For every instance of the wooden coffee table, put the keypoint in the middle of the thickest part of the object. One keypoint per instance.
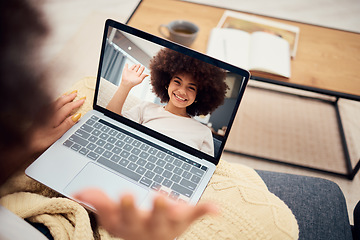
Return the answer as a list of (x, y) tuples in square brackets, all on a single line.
[(327, 60)]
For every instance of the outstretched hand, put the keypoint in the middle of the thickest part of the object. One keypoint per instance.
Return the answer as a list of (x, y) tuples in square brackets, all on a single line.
[(133, 76), (57, 124), (165, 221)]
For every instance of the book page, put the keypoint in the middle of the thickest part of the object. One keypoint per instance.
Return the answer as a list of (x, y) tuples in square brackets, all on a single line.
[(230, 45), (269, 53), (250, 24)]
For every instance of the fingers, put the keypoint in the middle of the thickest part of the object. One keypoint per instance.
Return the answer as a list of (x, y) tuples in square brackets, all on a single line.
[(129, 212), (64, 99), (107, 210), (68, 106), (137, 68), (96, 198), (201, 210)]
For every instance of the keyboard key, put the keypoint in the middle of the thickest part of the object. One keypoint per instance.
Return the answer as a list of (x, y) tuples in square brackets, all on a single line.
[(119, 169), (158, 170), (144, 147), (133, 158), (128, 147), (87, 128), (68, 143), (180, 189), (167, 174), (195, 179), (91, 146), (174, 195), (156, 186), (132, 166), (169, 167), (141, 162), (84, 151), (93, 155), (175, 178), (124, 154), (113, 132), (178, 171), (82, 134), (135, 151), (153, 159), (204, 168), (160, 163), (145, 181), (128, 139), (78, 140), (152, 151), (144, 155), (111, 140), (93, 117), (158, 178), (76, 147), (100, 142), (116, 150), (107, 154), (197, 171), (136, 143), (92, 139), (186, 167), (149, 174), (90, 122), (120, 136), (104, 136), (169, 158), (96, 132), (115, 158), (167, 183), (188, 184), (150, 166), (108, 146), (140, 170), (161, 155), (186, 175), (98, 125), (124, 162), (119, 143), (105, 129), (99, 150), (178, 162)]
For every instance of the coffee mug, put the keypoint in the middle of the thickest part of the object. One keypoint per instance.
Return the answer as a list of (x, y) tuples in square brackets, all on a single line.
[(180, 31)]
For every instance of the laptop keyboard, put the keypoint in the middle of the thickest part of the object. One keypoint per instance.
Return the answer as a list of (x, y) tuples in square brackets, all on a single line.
[(136, 158)]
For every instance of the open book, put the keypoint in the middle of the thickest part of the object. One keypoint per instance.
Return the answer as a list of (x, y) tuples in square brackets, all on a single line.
[(258, 51), (250, 23)]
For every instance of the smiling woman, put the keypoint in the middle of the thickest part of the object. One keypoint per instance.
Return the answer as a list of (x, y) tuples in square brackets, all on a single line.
[(188, 87)]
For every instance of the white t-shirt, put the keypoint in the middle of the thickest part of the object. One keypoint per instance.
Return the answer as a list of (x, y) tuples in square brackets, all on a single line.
[(185, 130)]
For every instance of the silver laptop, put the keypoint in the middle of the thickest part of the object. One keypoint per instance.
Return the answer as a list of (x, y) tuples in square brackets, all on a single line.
[(113, 153)]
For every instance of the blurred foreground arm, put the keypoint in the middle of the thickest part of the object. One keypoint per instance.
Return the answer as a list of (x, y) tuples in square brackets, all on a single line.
[(166, 220)]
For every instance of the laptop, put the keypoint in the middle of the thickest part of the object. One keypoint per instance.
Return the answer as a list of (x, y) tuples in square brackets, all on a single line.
[(118, 155)]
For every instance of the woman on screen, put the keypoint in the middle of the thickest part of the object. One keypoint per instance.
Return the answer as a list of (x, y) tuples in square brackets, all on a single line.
[(188, 86)]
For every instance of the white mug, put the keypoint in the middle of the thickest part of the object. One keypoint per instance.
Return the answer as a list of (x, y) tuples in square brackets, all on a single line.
[(180, 31)]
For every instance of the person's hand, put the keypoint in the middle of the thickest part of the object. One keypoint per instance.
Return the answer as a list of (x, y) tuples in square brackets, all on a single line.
[(56, 124), (133, 76), (165, 221)]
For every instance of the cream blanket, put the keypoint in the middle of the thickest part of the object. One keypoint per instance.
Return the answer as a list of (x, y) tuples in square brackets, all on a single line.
[(248, 209)]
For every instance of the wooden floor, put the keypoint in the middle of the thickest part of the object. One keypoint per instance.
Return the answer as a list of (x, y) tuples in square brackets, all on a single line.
[(67, 17)]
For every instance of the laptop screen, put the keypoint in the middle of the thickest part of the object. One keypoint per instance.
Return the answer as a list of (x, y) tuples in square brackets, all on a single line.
[(170, 91)]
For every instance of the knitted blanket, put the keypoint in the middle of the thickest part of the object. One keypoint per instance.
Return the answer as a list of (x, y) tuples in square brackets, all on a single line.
[(247, 209)]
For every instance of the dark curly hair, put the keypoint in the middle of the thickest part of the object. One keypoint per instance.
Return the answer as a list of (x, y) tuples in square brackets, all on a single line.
[(22, 83), (209, 79)]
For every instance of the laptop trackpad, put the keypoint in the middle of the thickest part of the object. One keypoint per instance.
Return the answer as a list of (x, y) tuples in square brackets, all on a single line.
[(94, 176)]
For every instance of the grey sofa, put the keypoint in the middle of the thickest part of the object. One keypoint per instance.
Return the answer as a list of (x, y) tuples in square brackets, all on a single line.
[(318, 205)]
